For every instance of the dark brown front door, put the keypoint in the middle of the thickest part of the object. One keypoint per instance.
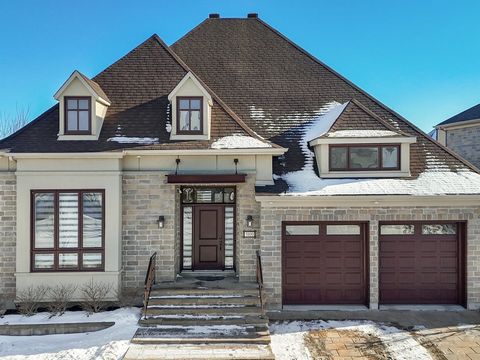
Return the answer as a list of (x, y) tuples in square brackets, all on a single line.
[(421, 263), (324, 263), (208, 239)]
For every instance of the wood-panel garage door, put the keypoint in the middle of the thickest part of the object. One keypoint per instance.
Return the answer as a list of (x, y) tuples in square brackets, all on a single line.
[(421, 263), (324, 263)]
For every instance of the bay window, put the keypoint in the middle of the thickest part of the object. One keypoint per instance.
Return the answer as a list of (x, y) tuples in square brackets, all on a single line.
[(68, 230), (364, 157)]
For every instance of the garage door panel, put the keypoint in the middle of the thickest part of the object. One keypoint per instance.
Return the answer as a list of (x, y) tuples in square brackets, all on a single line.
[(330, 269), (419, 268)]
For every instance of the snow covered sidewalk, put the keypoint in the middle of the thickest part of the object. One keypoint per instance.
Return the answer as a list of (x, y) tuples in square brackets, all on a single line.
[(109, 344), (292, 340)]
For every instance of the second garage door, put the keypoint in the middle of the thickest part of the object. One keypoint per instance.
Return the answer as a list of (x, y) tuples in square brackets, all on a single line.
[(421, 263), (324, 263)]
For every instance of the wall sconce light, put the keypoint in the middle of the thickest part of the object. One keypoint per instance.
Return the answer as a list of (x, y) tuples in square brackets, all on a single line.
[(161, 222), (249, 220)]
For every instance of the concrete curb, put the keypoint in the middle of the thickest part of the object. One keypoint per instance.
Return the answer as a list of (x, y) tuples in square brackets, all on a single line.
[(51, 329)]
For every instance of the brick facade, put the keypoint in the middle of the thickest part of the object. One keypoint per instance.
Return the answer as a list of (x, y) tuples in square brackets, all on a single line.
[(8, 217), (145, 197), (271, 245), (465, 142)]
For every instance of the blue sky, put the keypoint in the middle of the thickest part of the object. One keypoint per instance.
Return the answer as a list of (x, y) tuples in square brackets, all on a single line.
[(421, 58)]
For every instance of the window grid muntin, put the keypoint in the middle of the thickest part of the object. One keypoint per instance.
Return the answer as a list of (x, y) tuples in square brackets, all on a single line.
[(56, 249), (77, 110), (190, 110), (379, 147)]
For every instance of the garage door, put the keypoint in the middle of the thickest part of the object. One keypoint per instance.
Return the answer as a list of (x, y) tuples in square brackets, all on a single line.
[(324, 263), (421, 263)]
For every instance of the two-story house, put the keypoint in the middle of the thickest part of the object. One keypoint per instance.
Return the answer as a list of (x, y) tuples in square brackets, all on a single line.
[(230, 141)]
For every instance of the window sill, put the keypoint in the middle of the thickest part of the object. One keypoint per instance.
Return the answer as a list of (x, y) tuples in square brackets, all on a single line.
[(75, 137)]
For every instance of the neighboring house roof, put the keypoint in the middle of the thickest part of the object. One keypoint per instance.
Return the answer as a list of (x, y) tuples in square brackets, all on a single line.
[(472, 113), (137, 86), (279, 89)]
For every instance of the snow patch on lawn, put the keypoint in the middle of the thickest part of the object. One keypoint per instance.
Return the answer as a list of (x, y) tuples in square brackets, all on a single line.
[(134, 140), (288, 338), (111, 343), (239, 142)]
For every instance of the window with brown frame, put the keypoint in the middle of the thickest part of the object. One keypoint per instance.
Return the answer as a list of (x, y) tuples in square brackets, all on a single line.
[(189, 115), (67, 228), (361, 157), (78, 116)]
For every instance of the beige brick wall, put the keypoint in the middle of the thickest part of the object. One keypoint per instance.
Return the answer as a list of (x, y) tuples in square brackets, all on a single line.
[(271, 240), (145, 197), (7, 234)]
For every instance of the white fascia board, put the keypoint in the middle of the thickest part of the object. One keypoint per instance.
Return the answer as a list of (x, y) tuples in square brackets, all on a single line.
[(93, 155), (370, 140), (189, 75), (259, 151), (341, 201), (459, 125)]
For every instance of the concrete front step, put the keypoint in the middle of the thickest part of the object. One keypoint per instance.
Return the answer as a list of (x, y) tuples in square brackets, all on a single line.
[(203, 291), (199, 320), (200, 352), (204, 310), (204, 300), (180, 334)]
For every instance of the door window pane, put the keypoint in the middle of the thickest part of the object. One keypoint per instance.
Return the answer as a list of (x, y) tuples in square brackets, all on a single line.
[(397, 229), (44, 261), (68, 260), (338, 157), (44, 220), (229, 236), (346, 229), (302, 230), (439, 229), (390, 157), (92, 260), (68, 220), (187, 237), (92, 219), (364, 157)]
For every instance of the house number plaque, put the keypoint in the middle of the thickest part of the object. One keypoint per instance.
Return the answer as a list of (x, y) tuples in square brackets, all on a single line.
[(252, 234)]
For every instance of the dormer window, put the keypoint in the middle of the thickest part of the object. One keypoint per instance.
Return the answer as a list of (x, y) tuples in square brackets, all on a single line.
[(190, 115), (78, 115), (364, 157)]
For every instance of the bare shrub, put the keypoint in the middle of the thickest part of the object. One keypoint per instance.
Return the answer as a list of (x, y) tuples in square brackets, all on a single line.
[(59, 298), (94, 295), (29, 299)]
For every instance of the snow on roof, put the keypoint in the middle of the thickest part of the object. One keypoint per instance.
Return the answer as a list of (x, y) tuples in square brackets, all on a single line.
[(324, 122), (361, 133), (306, 182), (134, 140), (239, 142)]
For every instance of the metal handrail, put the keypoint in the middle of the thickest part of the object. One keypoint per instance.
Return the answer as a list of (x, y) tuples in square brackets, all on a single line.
[(149, 281), (260, 280)]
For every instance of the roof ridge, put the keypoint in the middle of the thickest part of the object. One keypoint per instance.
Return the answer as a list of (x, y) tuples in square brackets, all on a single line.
[(378, 102)]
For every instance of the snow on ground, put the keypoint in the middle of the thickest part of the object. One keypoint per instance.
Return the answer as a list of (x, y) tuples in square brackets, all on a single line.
[(110, 343), (288, 338), (134, 140), (361, 133), (239, 142)]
